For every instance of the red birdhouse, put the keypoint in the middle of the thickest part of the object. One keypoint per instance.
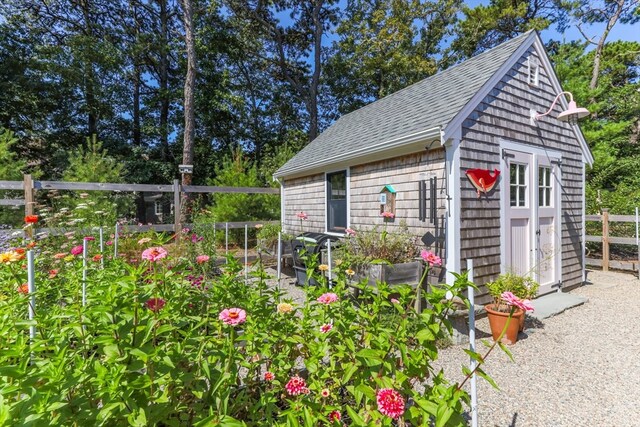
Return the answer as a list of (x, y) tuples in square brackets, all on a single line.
[(483, 179)]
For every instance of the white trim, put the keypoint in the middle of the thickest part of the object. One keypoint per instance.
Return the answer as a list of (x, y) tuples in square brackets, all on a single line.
[(584, 228), (347, 171), (342, 161), (587, 157), (452, 169), (283, 206), (466, 111), (533, 72)]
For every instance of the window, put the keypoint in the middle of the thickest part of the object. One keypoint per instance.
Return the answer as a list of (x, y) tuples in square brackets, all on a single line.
[(533, 71), (337, 201), (518, 184), (544, 186), (157, 207)]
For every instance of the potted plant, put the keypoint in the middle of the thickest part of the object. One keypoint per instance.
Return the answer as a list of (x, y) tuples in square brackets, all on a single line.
[(382, 255), (267, 236), (500, 312)]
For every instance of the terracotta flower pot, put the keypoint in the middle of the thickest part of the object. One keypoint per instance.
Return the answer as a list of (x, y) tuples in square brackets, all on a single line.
[(498, 320)]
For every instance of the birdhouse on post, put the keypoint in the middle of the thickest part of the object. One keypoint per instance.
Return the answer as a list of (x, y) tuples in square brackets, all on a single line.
[(388, 202)]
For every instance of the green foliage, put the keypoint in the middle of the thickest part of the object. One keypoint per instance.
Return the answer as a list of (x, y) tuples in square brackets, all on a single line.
[(11, 166), (385, 46), (121, 360), (524, 287), (375, 245), (237, 171)]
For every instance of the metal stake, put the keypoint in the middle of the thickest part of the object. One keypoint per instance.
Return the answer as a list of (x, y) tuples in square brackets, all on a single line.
[(115, 241), (85, 248), (638, 242), (472, 346), (329, 276), (246, 254), (279, 260), (101, 247), (226, 240), (31, 283)]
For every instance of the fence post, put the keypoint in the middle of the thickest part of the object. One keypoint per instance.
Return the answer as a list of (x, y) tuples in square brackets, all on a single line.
[(176, 207), (605, 239), (28, 195)]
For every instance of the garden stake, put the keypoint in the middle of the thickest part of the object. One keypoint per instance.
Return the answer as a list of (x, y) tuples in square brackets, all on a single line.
[(115, 241), (279, 259), (31, 283), (329, 262), (246, 254), (472, 346), (226, 240), (638, 242), (101, 247), (85, 244)]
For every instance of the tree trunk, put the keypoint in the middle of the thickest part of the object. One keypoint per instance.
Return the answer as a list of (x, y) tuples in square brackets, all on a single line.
[(189, 86), (164, 81), (137, 136), (89, 73), (600, 47), (317, 68)]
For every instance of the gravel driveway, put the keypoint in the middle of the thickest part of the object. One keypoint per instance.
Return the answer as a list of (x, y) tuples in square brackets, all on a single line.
[(579, 368)]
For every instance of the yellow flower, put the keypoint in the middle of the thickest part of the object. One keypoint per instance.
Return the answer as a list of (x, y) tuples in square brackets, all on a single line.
[(11, 256), (323, 267), (349, 272), (284, 308), (338, 262), (68, 258)]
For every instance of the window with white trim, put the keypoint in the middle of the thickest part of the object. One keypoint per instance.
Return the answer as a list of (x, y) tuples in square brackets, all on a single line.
[(518, 185), (544, 186), (533, 71), (157, 206)]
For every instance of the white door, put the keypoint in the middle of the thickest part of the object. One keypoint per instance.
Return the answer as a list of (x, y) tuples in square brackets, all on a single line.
[(532, 216), (518, 214)]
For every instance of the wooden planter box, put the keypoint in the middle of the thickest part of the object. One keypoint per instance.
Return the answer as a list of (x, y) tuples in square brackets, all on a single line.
[(394, 274)]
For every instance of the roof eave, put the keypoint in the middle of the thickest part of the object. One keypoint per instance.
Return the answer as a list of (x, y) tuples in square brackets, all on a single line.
[(358, 156)]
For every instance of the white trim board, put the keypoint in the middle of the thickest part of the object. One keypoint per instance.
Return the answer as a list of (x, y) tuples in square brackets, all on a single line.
[(326, 213), (452, 170)]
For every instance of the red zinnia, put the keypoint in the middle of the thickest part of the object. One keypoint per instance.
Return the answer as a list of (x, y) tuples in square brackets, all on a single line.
[(269, 376), (31, 219), (53, 273), (23, 289), (390, 402), (335, 416), (155, 304), (296, 386), (97, 257)]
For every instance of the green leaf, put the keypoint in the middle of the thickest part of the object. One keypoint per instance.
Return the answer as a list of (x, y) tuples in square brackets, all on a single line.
[(373, 357), (367, 391), (443, 415), (475, 356), (490, 380), (506, 350), (355, 418), (425, 335), (348, 373)]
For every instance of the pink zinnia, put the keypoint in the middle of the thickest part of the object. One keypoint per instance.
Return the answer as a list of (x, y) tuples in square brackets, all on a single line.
[(327, 298), (430, 258), (389, 215), (61, 255), (395, 301), (108, 243), (201, 259), (335, 416), (296, 386), (233, 316), (390, 402), (154, 254), (326, 328), (76, 250), (89, 238), (269, 376), (513, 300), (350, 232), (325, 392), (302, 215), (155, 304)]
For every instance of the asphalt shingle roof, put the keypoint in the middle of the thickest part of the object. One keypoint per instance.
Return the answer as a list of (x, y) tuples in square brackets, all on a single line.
[(426, 104)]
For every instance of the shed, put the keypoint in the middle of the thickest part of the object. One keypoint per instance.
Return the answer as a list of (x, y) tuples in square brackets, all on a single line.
[(423, 140)]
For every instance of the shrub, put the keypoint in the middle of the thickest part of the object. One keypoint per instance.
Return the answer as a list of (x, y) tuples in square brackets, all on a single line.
[(523, 287)]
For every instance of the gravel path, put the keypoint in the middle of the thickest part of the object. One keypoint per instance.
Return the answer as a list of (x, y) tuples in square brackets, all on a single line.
[(580, 368)]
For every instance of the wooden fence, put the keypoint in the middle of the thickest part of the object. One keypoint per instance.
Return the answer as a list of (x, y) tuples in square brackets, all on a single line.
[(30, 186), (607, 240)]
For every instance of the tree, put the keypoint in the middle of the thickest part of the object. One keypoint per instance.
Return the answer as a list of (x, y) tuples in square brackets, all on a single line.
[(293, 51), (384, 46), (485, 26), (609, 12)]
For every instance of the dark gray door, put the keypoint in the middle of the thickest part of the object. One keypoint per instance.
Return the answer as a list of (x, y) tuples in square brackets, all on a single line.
[(337, 201)]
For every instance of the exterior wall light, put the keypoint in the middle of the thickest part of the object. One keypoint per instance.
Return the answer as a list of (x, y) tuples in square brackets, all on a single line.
[(570, 115)]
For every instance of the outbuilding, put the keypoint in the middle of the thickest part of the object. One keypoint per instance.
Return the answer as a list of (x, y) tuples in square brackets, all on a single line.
[(468, 159)]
